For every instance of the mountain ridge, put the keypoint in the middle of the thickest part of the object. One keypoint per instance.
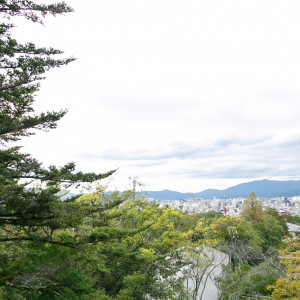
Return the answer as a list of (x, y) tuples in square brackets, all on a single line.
[(262, 188)]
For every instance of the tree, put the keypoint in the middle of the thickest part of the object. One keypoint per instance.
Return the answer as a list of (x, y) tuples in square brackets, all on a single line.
[(252, 210), (150, 257), (288, 286), (292, 219), (225, 232), (280, 219), (270, 231), (34, 221), (22, 67), (252, 266), (248, 282), (96, 246), (104, 246)]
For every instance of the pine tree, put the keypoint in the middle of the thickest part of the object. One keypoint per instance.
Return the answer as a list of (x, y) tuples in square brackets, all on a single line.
[(22, 67)]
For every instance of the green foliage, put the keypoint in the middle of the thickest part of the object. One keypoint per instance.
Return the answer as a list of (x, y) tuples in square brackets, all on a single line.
[(30, 10), (292, 219), (141, 262), (21, 68), (252, 210), (189, 223), (246, 281), (99, 245), (39, 252), (223, 230), (287, 286), (270, 227), (122, 247), (270, 231), (281, 220), (253, 266)]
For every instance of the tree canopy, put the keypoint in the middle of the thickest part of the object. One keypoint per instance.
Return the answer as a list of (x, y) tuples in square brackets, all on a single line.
[(252, 210)]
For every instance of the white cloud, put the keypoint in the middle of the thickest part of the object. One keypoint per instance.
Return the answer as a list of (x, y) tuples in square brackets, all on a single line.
[(183, 94)]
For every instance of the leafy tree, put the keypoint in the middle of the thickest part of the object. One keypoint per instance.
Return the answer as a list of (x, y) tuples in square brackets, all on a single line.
[(292, 219), (252, 266), (225, 231), (121, 247), (280, 219), (188, 223), (252, 210), (149, 263), (140, 253), (249, 282), (287, 287), (270, 231)]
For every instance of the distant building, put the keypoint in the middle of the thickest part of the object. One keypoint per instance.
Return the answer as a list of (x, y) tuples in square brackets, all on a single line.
[(293, 228), (284, 212)]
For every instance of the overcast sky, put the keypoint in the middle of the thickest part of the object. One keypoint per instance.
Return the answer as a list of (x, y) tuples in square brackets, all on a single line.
[(185, 95)]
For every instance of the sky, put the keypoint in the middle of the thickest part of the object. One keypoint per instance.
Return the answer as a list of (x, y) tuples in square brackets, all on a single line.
[(184, 95)]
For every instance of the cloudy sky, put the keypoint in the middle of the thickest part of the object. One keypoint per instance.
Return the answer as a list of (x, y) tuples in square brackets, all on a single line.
[(185, 95)]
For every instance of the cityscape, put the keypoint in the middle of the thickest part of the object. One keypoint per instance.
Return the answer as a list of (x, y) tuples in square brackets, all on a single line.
[(232, 206)]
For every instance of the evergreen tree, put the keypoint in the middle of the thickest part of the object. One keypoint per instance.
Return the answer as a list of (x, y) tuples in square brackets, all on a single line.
[(30, 253), (22, 67)]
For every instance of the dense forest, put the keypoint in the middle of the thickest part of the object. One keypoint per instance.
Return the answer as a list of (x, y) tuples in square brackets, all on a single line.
[(118, 245)]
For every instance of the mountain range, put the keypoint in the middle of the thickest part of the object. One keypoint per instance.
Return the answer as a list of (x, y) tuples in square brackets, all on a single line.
[(262, 188)]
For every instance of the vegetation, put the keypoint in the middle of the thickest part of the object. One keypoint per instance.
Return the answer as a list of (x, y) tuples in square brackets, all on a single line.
[(252, 263), (292, 219), (104, 245), (287, 287), (252, 210)]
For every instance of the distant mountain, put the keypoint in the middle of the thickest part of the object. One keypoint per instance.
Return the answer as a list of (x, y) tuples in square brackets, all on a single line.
[(262, 188)]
